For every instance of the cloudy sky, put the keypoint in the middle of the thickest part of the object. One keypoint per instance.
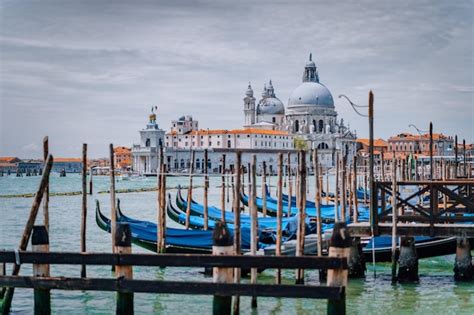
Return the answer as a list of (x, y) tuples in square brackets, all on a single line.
[(89, 71)]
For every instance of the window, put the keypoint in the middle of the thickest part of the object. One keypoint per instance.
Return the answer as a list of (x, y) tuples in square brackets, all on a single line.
[(218, 143), (321, 125), (273, 119), (229, 144), (297, 126), (147, 142)]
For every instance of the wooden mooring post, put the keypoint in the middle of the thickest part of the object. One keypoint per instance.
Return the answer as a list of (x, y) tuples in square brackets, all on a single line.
[(162, 227), (84, 206), (46, 192), (301, 212), (123, 245), (91, 188), (336, 190), (7, 300), (206, 190), (290, 187), (223, 188), (317, 201), (237, 235), (264, 186), (394, 221), (40, 243), (463, 266), (279, 213), (254, 225), (339, 247), (408, 261), (113, 213), (190, 191), (222, 245)]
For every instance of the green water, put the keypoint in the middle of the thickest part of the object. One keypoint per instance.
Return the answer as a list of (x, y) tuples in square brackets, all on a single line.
[(437, 293)]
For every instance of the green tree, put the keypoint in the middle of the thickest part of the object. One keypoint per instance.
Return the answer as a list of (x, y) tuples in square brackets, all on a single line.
[(300, 144)]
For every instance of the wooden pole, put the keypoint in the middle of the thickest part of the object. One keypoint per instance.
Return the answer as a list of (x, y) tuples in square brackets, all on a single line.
[(317, 202), (90, 181), (336, 190), (254, 225), (237, 231), (327, 185), (356, 201), (394, 221), (46, 193), (290, 187), (223, 189), (264, 192), (464, 158), (222, 245), (249, 179), (159, 214), (162, 228), (301, 212), (343, 189), (431, 151), (365, 181), (456, 156), (382, 165), (190, 190), (40, 243), (206, 191), (123, 245), (28, 228), (84, 206), (113, 214), (279, 213), (339, 247)]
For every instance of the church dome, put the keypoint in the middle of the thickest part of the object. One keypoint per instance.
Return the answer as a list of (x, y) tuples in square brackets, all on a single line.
[(311, 92), (270, 106)]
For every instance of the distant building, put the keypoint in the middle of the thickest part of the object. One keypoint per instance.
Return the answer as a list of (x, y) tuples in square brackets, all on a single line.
[(405, 144), (123, 157), (9, 164), (30, 166), (380, 147), (69, 165)]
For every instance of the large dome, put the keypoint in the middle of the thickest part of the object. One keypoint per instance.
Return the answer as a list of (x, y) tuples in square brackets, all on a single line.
[(311, 93), (270, 106)]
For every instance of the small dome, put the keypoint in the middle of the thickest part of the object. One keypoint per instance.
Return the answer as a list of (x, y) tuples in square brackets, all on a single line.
[(311, 93), (270, 106)]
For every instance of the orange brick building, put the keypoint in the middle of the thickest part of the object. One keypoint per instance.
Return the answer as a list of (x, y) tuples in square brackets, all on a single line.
[(123, 157)]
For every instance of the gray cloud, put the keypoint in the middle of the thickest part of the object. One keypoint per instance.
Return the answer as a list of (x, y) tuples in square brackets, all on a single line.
[(88, 71)]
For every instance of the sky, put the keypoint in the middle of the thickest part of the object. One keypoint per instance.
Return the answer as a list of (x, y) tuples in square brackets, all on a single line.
[(90, 71)]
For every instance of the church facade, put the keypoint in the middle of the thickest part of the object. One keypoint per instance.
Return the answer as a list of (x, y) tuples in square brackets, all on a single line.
[(309, 119)]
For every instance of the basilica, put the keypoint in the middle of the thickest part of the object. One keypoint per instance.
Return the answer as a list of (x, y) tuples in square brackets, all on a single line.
[(309, 119)]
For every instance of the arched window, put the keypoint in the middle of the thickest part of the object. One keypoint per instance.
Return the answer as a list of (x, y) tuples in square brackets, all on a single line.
[(147, 142), (198, 163), (176, 164), (229, 144), (315, 126), (297, 126), (160, 142), (323, 145), (209, 163), (182, 163), (321, 125)]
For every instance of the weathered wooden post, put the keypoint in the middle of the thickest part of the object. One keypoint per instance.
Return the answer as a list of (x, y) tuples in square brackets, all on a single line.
[(223, 189), (394, 221), (301, 213), (279, 213), (382, 165), (264, 192), (40, 244), (254, 225), (123, 245), (456, 156), (327, 185), (343, 189), (355, 217), (162, 228), (249, 179), (365, 181), (222, 245), (206, 190), (408, 261), (339, 247), (336, 190), (46, 193), (28, 228), (113, 214), (464, 159), (431, 151), (190, 191), (84, 206), (90, 181), (317, 202), (237, 235), (290, 187), (463, 268)]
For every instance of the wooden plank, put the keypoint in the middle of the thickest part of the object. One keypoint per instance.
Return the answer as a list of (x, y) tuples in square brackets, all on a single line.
[(175, 260), (174, 287), (418, 229)]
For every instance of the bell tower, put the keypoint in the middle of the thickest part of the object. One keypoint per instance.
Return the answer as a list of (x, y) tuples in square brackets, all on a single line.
[(249, 107)]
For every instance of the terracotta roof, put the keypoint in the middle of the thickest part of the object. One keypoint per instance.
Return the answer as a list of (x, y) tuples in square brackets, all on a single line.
[(2, 164), (234, 132), (122, 150), (410, 137), (377, 142), (67, 160), (8, 159)]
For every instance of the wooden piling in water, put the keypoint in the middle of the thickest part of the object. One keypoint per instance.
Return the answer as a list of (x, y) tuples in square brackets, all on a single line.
[(123, 245), (408, 261), (355, 216), (90, 181), (84, 206), (463, 266), (254, 225), (290, 187), (456, 156), (301, 212), (327, 185), (28, 228), (279, 214), (113, 214), (394, 221), (264, 192), (206, 191), (40, 243), (237, 231), (190, 190), (162, 228), (46, 193), (317, 202), (336, 190), (222, 245), (223, 189), (343, 189), (339, 247)]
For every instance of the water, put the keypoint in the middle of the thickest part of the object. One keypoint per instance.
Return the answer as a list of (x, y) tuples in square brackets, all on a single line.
[(437, 293)]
